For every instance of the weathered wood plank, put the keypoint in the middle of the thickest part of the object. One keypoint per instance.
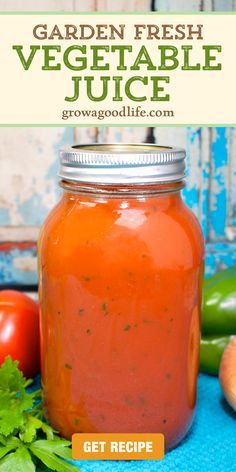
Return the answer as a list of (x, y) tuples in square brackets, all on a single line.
[(204, 182), (231, 213), (193, 5), (43, 5), (123, 5), (219, 182), (11, 234), (85, 135), (219, 256), (110, 5), (206, 5), (171, 136), (183, 5), (85, 5), (18, 265), (189, 139), (191, 192), (29, 163), (125, 135), (223, 5)]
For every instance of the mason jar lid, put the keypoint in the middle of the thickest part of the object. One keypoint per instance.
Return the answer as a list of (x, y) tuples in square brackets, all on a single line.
[(122, 163)]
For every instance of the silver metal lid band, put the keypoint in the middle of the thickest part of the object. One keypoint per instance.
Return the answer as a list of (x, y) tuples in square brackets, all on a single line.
[(122, 163)]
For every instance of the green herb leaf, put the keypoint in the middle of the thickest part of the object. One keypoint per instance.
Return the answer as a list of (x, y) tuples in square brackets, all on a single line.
[(48, 430), (9, 422), (51, 460), (4, 450), (10, 441), (19, 461), (10, 376), (13, 397), (58, 446), (30, 429), (8, 445)]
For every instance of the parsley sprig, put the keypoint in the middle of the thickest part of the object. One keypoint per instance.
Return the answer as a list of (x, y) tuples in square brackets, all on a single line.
[(27, 442)]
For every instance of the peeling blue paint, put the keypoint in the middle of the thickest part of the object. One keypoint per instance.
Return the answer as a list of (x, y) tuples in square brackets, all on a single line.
[(66, 140), (190, 196), (219, 256), (32, 210), (4, 217), (10, 274), (191, 192), (218, 213), (205, 208), (52, 174)]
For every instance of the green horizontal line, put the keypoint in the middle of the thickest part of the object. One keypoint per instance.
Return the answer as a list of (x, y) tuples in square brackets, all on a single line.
[(117, 12), (126, 125)]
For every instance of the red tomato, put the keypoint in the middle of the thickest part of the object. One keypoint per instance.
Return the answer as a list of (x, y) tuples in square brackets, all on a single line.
[(19, 331)]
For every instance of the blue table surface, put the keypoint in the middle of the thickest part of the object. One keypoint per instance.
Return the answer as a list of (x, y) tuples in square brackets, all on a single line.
[(210, 446)]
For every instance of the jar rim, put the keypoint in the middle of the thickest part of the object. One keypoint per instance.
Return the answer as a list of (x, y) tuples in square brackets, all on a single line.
[(122, 163)]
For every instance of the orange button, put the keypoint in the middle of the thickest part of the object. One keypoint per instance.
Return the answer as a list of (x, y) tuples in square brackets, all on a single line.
[(118, 446)]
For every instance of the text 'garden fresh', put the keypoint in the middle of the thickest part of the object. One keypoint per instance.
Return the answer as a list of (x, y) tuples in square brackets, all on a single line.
[(115, 69)]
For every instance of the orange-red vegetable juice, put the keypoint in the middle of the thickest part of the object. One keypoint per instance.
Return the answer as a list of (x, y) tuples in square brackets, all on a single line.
[(120, 264)]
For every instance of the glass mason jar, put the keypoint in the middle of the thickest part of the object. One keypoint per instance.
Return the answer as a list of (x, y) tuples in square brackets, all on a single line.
[(120, 276)]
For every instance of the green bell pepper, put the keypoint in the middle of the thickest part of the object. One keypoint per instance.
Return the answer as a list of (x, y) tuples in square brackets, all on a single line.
[(211, 350), (219, 304)]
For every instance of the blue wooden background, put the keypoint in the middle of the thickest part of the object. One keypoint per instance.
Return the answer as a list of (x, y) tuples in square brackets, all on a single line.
[(29, 163)]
